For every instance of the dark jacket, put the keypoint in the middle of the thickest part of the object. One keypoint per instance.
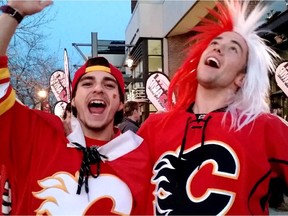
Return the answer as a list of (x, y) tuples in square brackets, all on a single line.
[(128, 124)]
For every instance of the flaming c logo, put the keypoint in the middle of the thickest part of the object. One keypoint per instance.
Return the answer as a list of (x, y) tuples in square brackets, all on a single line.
[(59, 195), (174, 178)]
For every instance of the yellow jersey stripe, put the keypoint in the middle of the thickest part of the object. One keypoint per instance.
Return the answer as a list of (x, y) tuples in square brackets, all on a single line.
[(4, 73), (8, 102)]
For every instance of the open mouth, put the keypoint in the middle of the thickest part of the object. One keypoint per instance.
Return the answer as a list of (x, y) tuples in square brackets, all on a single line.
[(96, 106), (212, 62)]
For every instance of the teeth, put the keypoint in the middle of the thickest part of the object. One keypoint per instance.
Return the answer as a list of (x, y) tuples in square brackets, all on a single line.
[(97, 102), (214, 60)]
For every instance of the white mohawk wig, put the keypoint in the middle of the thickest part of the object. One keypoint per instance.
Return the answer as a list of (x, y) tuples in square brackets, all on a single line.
[(252, 98)]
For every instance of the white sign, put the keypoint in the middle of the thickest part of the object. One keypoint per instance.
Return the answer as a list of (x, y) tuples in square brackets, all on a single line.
[(281, 77), (157, 90), (59, 108), (58, 85)]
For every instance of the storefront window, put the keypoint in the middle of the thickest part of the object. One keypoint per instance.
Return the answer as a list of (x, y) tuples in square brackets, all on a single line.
[(154, 47), (154, 55), (155, 63)]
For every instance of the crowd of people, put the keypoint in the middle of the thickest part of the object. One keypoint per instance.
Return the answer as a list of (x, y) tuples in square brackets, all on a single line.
[(216, 151)]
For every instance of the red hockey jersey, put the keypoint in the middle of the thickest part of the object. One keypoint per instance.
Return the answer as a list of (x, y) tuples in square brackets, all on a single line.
[(41, 171), (201, 167)]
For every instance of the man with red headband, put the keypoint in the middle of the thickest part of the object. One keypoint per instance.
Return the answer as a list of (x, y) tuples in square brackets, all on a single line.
[(42, 172), (217, 149)]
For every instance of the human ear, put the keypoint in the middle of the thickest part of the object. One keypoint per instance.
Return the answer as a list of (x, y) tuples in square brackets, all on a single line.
[(73, 102), (121, 106), (239, 79)]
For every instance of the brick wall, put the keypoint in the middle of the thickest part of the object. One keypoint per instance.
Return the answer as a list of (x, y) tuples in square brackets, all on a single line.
[(177, 51)]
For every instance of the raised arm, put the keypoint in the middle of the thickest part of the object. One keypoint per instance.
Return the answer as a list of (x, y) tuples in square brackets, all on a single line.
[(8, 24)]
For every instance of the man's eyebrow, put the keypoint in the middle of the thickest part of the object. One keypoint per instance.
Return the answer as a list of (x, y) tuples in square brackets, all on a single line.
[(106, 78), (83, 78), (233, 41), (238, 44)]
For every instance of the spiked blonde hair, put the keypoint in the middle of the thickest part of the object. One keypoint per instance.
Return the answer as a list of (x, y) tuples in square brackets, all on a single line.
[(252, 98)]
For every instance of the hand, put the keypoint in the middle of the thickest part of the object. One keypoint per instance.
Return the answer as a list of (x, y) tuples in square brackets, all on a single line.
[(67, 122), (29, 7)]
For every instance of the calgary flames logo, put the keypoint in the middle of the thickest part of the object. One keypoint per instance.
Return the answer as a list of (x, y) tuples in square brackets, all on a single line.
[(59, 195), (174, 178)]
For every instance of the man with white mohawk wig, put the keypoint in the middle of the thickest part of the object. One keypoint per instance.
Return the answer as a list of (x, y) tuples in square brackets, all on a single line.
[(218, 148)]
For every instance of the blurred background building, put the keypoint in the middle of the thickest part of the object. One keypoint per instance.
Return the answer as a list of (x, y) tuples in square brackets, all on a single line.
[(156, 41), (158, 32)]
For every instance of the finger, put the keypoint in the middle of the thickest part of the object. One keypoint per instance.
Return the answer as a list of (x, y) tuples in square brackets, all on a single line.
[(67, 127), (46, 3), (67, 124)]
